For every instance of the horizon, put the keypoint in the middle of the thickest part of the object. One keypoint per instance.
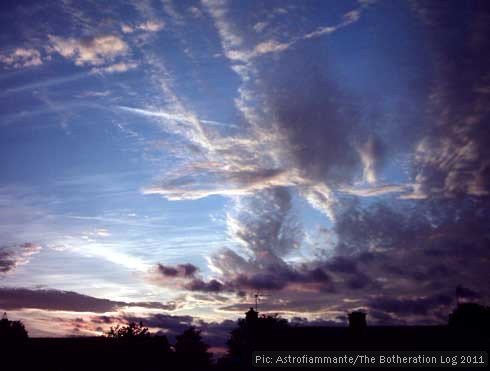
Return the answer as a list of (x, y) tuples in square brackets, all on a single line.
[(166, 161)]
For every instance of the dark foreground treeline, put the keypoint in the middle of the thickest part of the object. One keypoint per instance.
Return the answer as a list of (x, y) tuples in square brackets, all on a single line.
[(132, 347)]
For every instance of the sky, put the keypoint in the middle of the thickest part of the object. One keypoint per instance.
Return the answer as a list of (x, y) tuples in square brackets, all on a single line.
[(166, 160)]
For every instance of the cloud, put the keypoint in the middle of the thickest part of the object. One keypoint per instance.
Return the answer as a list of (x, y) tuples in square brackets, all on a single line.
[(170, 9), (93, 51), (125, 28), (465, 293), (320, 31), (181, 270), (223, 183), (232, 43), (352, 16), (21, 58), (15, 255), (214, 333), (270, 46), (410, 254), (395, 245), (230, 40), (417, 306), (318, 133), (115, 68), (183, 276), (379, 190), (56, 300), (204, 286), (151, 26), (347, 19), (452, 159), (102, 93), (303, 137), (195, 12), (260, 26), (371, 154), (148, 26)]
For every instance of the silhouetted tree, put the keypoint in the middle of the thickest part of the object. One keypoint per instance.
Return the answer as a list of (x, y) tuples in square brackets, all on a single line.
[(253, 333), (131, 331), (470, 316), (133, 347), (12, 331), (191, 351)]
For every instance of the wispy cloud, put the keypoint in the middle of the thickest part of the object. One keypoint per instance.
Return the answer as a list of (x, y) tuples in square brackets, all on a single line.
[(44, 83)]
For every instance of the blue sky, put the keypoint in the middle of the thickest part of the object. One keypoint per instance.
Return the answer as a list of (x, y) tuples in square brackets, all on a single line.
[(194, 153)]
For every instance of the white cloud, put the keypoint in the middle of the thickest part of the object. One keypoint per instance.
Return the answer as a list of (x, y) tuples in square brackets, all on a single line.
[(91, 51), (151, 26), (148, 26), (103, 93), (280, 11), (352, 16), (169, 8), (379, 190), (320, 31), (270, 46), (115, 68), (367, 154), (127, 28), (21, 58), (230, 184), (195, 12), (260, 26), (229, 38)]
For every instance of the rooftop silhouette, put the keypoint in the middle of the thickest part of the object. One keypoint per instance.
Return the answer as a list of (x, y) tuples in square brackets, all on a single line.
[(133, 347)]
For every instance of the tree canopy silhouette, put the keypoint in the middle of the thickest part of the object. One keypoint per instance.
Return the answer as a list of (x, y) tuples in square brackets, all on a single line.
[(12, 331), (131, 331), (470, 316), (254, 332), (192, 351)]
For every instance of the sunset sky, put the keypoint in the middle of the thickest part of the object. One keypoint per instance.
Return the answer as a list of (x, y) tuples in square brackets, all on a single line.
[(166, 160)]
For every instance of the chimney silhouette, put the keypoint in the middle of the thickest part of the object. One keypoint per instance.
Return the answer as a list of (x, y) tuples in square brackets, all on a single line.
[(357, 320), (251, 316)]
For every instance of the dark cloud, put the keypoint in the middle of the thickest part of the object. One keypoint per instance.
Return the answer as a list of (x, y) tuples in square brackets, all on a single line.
[(303, 321), (454, 156), (22, 298), (466, 293), (317, 119), (181, 270), (203, 286), (13, 255), (408, 306), (266, 227), (398, 256)]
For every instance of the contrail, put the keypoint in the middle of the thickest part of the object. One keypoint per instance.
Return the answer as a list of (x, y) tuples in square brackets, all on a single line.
[(43, 84), (171, 116)]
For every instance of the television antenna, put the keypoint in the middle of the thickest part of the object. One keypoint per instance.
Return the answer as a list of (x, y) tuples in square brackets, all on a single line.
[(257, 297)]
